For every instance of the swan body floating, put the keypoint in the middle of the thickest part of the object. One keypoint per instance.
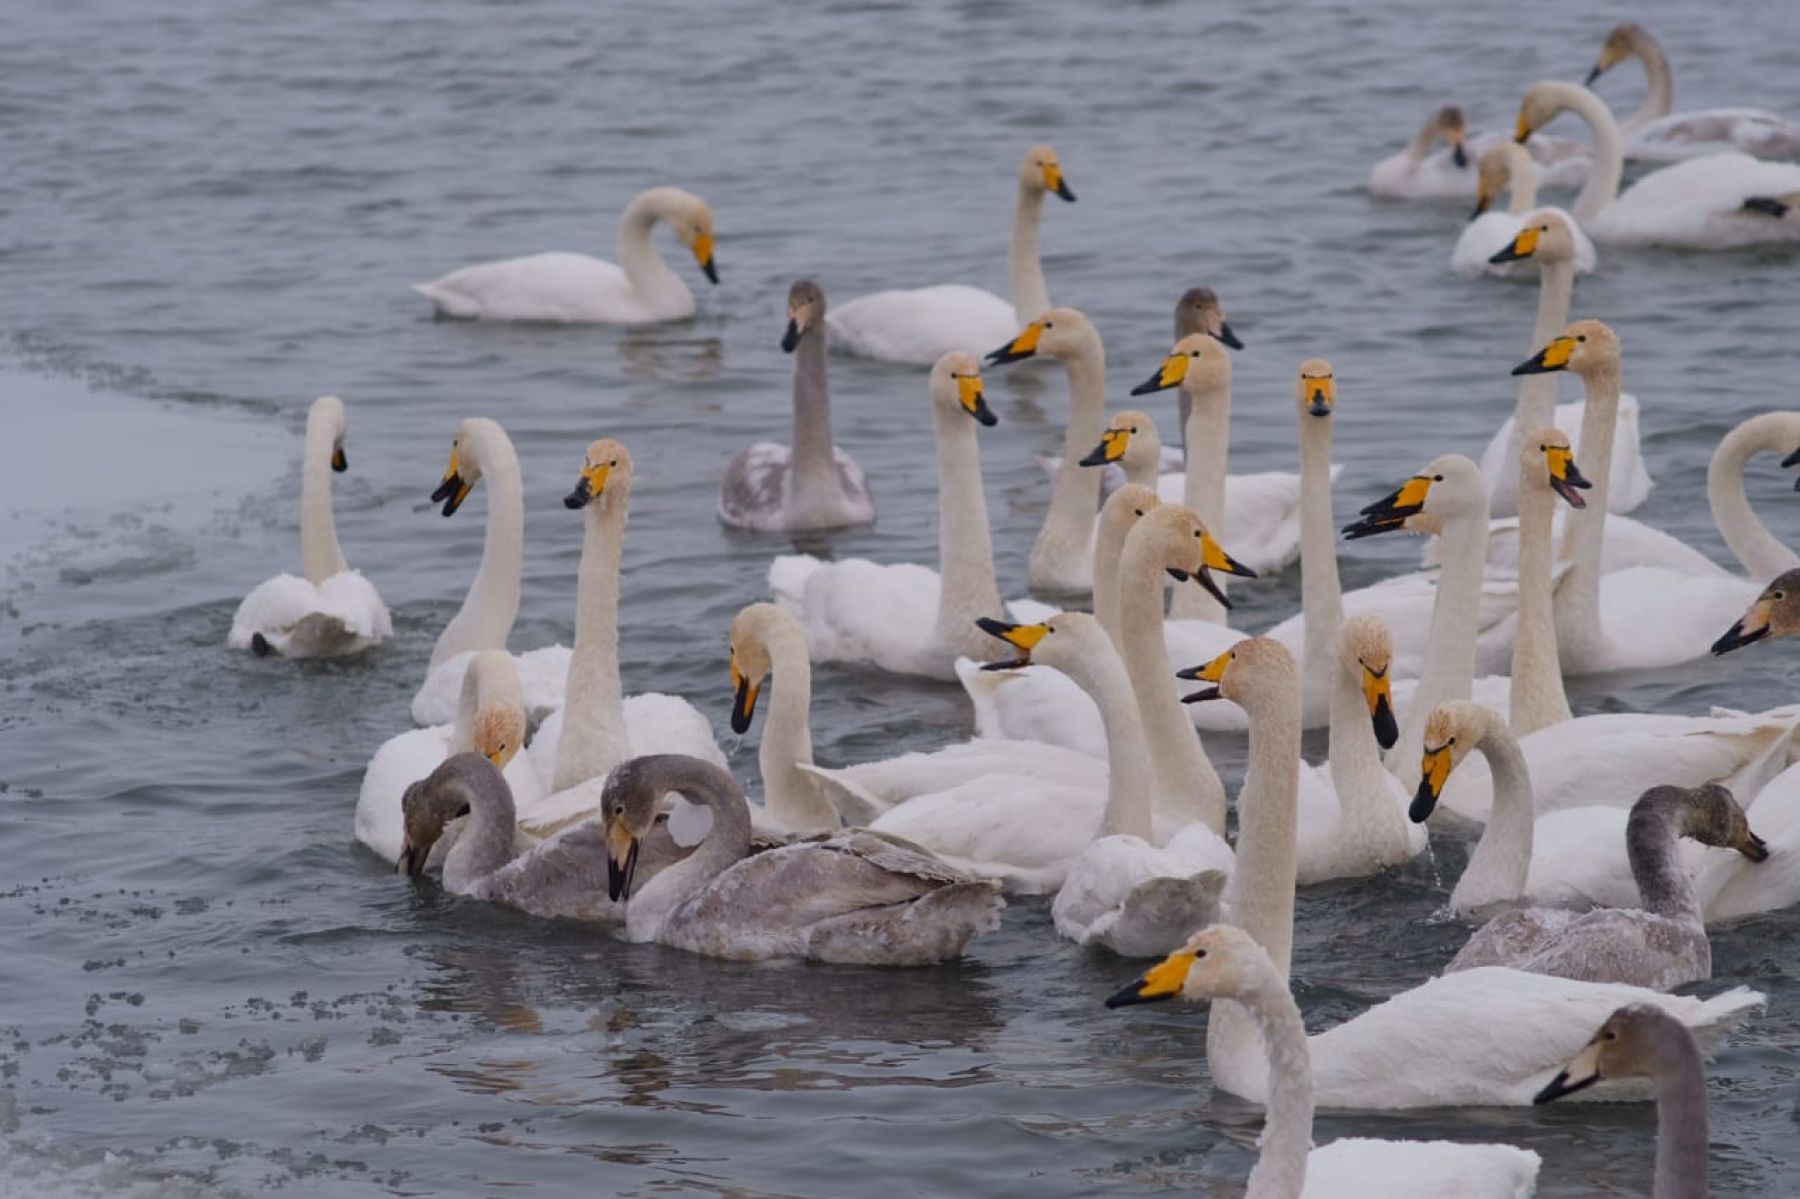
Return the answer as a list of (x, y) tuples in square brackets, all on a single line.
[(1482, 247), (578, 289), (1423, 171), (1225, 963), (811, 484), (854, 897), (328, 610), (906, 618), (921, 325)]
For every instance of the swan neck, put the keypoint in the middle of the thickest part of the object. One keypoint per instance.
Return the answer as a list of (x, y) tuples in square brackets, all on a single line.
[(1538, 698), (1109, 550), (725, 844), (1578, 629), (1450, 651), (1501, 863), (593, 732), (1651, 835), (1067, 531), (1321, 595), (1682, 1132), (814, 464), (486, 617), (1280, 1170), (1763, 556), (1206, 439), (968, 588), (1602, 186), (1357, 774), (1536, 404), (487, 841), (646, 273), (1030, 296), (793, 798), (1522, 186), (1660, 100), (1129, 777), (1260, 893), (320, 557)]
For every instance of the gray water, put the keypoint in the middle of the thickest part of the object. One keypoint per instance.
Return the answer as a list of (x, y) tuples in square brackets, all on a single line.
[(209, 215)]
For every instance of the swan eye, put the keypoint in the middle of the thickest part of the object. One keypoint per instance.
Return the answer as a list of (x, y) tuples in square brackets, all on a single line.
[(1437, 478), (1780, 595), (618, 809), (613, 463), (1048, 325), (1140, 512), (1193, 353), (1581, 337), (1610, 1035), (1199, 953)]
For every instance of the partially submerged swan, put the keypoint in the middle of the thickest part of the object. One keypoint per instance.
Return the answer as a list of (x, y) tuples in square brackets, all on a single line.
[(329, 610), (811, 484), (921, 325), (1774, 613), (855, 897), (1222, 962), (576, 288), (1481, 248)]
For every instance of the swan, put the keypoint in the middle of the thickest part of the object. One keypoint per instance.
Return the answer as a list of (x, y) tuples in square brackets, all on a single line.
[(855, 898), (489, 719), (1062, 557), (812, 484), (1480, 250), (332, 610), (1640, 1041), (1662, 943), (1222, 962), (1645, 617), (1653, 134), (1421, 171), (921, 325), (1697, 204), (1495, 1035), (577, 289), (1548, 240), (604, 727), (1547, 472), (1762, 555), (1565, 857), (906, 618), (1731, 885), (1774, 613)]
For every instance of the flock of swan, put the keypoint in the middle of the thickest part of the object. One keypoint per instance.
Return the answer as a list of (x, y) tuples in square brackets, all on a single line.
[(1606, 844)]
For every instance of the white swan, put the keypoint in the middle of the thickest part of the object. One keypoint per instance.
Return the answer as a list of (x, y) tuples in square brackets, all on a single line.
[(856, 897), (331, 610), (578, 289), (1654, 134), (1697, 204), (604, 727), (489, 719), (1495, 1035), (1422, 171), (1481, 248), (811, 484), (903, 617), (921, 325), (1762, 555), (1774, 613), (1658, 943), (1062, 557), (1223, 962)]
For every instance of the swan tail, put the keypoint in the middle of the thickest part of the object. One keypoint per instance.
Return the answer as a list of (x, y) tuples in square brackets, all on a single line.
[(1160, 914), (856, 806), (933, 928), (1722, 1013)]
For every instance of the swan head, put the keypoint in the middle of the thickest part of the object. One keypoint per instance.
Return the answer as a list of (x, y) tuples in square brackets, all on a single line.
[(1545, 460), (1179, 541), (1060, 333), (1130, 438), (498, 733), (806, 312), (956, 384), (1496, 171), (327, 413), (431, 803), (1199, 310), (605, 476), (1639, 1040), (1367, 651), (1541, 104), (1220, 961), (1316, 391), (692, 220), (755, 632), (1124, 508), (1546, 237), (630, 802), (467, 450), (1585, 347), (1061, 641), (1041, 171), (1627, 40), (1454, 728), (1197, 363), (1774, 613), (1709, 813), (1245, 673), (1450, 487), (1447, 125)]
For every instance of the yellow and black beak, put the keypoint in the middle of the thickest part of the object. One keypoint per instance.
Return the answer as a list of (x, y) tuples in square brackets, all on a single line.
[(743, 698), (973, 401), (1212, 672), (1019, 348), (1162, 981), (1523, 133), (1054, 181), (1435, 773), (1578, 1075), (703, 254), (1212, 557), (1226, 337), (339, 461), (621, 859), (1523, 245), (591, 483), (1112, 447), (454, 489), (1024, 637), (1321, 395), (1553, 357), (1751, 627), (1390, 512), (1565, 478), (1173, 370), (1380, 698)]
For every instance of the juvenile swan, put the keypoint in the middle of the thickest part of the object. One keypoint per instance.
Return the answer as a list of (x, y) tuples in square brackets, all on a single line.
[(856, 898), (811, 484), (1774, 613), (332, 610)]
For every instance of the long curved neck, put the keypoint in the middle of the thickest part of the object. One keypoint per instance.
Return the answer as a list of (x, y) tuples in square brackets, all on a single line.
[(1280, 1170), (1501, 864), (1682, 1134), (1651, 833), (1362, 783), (1030, 297), (468, 702), (1521, 185), (1578, 629), (320, 557), (1450, 652), (726, 843), (593, 734), (486, 617), (1109, 550), (1187, 786), (1321, 595), (1762, 555), (487, 842), (1661, 99), (1129, 779), (645, 270), (1538, 699), (793, 798), (1602, 186), (1075, 498), (968, 588), (1536, 405), (1207, 441), (1142, 464), (814, 463)]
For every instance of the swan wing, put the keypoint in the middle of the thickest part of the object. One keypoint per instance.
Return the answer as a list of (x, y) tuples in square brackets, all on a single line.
[(1038, 704), (861, 611), (1361, 1168), (557, 287), (920, 325)]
